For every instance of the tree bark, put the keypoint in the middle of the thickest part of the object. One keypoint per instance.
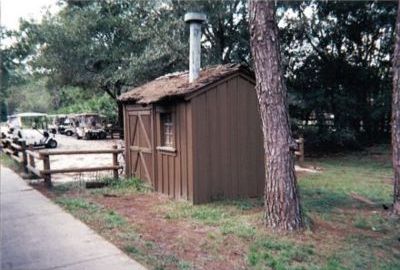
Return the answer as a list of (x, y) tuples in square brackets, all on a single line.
[(396, 118), (282, 204)]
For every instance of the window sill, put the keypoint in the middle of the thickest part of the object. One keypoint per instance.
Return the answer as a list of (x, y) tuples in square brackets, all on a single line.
[(166, 149)]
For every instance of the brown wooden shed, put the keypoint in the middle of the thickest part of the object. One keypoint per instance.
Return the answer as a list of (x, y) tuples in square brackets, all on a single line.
[(198, 141)]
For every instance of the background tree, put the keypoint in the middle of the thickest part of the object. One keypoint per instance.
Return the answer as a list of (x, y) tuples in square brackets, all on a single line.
[(282, 203), (335, 57), (396, 117), (13, 72), (337, 66), (115, 45)]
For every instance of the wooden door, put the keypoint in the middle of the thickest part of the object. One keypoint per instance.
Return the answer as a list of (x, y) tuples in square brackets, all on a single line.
[(140, 138)]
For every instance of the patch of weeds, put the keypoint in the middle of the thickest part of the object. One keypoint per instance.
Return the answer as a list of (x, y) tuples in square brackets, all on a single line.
[(366, 252), (390, 265), (361, 223), (114, 220), (238, 228), (184, 265), (8, 162), (245, 204), (227, 219), (122, 186), (131, 184), (206, 214), (142, 252), (131, 250), (333, 263), (322, 200), (149, 244), (375, 222), (128, 236), (61, 189), (76, 204), (279, 254)]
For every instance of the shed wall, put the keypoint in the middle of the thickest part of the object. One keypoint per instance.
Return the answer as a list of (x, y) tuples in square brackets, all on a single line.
[(228, 160), (174, 171)]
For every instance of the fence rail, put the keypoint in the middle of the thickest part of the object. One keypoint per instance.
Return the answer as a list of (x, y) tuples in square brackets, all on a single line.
[(27, 157)]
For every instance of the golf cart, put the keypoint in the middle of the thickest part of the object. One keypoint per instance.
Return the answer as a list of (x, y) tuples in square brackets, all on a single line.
[(68, 126), (90, 126), (63, 124), (54, 122), (31, 127)]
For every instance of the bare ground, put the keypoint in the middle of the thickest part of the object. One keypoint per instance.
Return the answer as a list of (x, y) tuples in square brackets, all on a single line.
[(79, 161)]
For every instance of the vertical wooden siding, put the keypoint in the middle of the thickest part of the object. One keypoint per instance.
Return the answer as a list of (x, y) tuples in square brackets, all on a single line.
[(174, 170), (227, 142)]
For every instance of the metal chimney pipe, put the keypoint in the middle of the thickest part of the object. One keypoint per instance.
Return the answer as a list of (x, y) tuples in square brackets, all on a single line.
[(195, 20)]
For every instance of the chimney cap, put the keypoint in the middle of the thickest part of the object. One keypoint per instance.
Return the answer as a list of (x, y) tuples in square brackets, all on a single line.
[(195, 17)]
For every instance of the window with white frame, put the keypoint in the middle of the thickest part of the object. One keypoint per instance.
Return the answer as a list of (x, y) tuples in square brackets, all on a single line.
[(167, 130)]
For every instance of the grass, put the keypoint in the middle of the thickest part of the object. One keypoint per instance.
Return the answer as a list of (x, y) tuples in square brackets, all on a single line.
[(7, 161), (280, 255), (111, 225), (124, 186), (342, 232)]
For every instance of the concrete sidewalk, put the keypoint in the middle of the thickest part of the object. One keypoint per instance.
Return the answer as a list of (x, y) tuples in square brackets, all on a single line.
[(37, 234)]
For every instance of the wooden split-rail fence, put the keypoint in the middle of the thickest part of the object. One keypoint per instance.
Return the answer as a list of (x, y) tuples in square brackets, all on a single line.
[(27, 157)]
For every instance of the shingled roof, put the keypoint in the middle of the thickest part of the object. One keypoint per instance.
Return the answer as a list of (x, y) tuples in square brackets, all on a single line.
[(177, 84)]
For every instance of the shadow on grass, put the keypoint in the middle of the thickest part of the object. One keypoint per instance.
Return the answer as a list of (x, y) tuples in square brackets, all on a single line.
[(321, 200)]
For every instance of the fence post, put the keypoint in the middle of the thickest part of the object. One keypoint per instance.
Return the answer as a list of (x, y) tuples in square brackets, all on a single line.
[(46, 167), (115, 162), (24, 156), (301, 150)]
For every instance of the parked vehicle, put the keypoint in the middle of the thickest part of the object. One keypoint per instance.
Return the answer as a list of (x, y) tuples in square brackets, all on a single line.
[(31, 127), (90, 126), (55, 120), (66, 124)]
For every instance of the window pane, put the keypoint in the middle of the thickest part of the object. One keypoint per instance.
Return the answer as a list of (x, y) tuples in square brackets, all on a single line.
[(167, 135)]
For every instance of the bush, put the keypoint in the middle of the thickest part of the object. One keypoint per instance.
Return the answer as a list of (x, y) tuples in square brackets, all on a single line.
[(329, 140), (103, 104)]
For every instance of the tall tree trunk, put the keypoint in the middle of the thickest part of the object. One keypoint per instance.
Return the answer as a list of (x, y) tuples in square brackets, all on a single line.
[(282, 203), (396, 117)]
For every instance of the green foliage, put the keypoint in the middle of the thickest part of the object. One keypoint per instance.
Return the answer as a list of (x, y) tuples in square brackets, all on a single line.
[(114, 220), (329, 140), (203, 213), (104, 105), (7, 161), (76, 204), (123, 186), (279, 255), (32, 95), (238, 228), (336, 58), (338, 62), (374, 223), (130, 184), (113, 45), (3, 110)]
